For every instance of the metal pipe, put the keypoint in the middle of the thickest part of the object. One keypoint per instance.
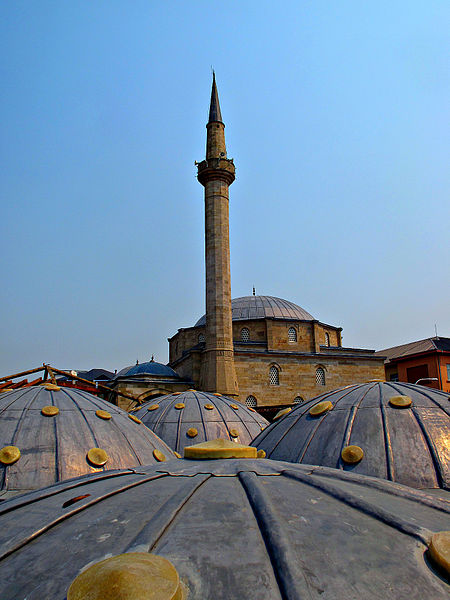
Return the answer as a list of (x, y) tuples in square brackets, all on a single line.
[(22, 373), (104, 387), (426, 379)]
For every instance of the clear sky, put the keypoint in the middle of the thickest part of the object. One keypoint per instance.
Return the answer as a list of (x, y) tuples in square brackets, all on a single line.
[(337, 117)]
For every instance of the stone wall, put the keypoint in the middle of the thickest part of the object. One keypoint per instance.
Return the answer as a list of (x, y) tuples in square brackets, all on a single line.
[(269, 345), (297, 376)]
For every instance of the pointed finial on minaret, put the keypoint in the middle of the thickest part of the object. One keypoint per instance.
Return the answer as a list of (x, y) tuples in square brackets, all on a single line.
[(153, 358), (214, 108), (254, 291)]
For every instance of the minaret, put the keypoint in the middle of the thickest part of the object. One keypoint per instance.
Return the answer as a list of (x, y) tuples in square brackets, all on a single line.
[(216, 174)]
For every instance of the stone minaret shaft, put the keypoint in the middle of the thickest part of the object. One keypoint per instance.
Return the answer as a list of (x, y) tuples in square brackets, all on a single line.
[(216, 174)]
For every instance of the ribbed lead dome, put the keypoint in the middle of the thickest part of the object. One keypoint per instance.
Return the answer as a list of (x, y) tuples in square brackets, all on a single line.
[(402, 429), (250, 529), (191, 417), (147, 368), (263, 307), (55, 446)]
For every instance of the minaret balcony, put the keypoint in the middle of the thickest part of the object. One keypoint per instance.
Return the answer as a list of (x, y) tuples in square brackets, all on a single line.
[(216, 168)]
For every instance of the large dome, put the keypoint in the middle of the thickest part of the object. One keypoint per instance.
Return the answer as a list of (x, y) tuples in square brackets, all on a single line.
[(264, 307), (403, 430), (232, 529), (185, 418), (47, 433)]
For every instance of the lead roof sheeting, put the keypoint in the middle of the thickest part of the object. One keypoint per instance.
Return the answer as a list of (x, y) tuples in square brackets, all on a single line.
[(233, 529), (55, 448), (171, 424)]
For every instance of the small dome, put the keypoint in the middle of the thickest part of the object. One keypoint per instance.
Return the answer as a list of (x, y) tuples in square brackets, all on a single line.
[(55, 429), (263, 307), (191, 417), (227, 529), (151, 367), (402, 429)]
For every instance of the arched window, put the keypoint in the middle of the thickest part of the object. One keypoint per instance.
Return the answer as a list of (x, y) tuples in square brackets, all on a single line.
[(201, 338), (298, 400), (274, 376), (245, 334), (292, 334), (251, 401), (327, 339), (320, 376)]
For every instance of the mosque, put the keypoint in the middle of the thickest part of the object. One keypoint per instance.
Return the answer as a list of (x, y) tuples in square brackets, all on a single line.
[(265, 351)]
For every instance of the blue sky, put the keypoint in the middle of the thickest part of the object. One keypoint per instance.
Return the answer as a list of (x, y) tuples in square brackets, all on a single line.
[(336, 116)]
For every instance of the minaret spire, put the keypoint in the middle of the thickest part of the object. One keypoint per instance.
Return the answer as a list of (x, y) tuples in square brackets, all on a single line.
[(214, 108), (216, 174)]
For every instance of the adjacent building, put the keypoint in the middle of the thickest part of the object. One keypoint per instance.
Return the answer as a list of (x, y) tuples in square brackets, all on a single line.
[(426, 362)]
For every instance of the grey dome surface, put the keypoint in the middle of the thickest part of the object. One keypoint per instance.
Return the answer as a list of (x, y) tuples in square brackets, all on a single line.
[(54, 448), (234, 529), (221, 421), (263, 307), (147, 368), (407, 445)]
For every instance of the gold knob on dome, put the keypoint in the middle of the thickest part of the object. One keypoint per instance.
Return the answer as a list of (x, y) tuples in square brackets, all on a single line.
[(136, 575), (135, 419), (9, 455), (177, 454), (209, 406), (97, 457), (234, 406), (400, 401), (261, 454), (282, 412), (216, 394), (352, 454), (176, 393), (219, 449), (439, 548), (49, 411), (159, 456), (192, 390), (320, 408), (192, 432), (179, 405), (250, 408), (153, 407), (103, 414), (52, 387)]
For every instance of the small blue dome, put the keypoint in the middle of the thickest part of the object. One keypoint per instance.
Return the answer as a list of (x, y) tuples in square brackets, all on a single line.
[(148, 368)]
